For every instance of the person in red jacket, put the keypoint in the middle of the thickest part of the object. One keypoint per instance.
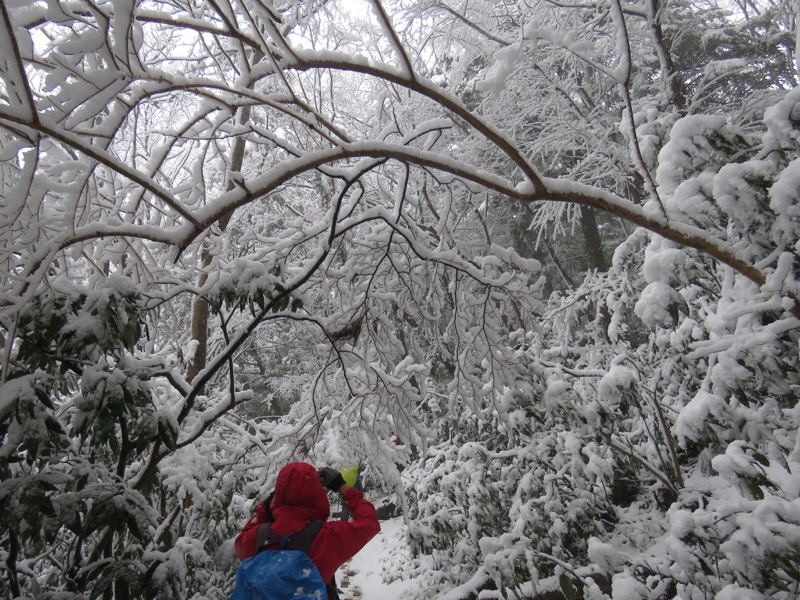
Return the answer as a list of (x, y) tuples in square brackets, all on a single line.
[(299, 499)]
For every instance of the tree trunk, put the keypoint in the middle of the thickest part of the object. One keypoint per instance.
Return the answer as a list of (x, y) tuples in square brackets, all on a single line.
[(591, 240), (200, 309), (673, 86)]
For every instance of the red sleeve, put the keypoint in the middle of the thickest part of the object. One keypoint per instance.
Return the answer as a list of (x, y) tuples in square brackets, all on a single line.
[(338, 541), (245, 544)]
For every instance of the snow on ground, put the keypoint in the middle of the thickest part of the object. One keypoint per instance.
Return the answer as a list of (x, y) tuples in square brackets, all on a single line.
[(363, 577)]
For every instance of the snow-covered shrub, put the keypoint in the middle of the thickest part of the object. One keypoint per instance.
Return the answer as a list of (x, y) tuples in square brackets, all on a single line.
[(518, 496), (80, 418), (724, 369), (664, 392), (731, 540)]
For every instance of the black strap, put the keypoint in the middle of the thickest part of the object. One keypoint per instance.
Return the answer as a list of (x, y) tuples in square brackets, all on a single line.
[(300, 540), (332, 590), (303, 539), (262, 537)]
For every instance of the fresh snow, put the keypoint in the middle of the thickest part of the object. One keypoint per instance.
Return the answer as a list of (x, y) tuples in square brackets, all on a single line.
[(373, 573), (536, 423)]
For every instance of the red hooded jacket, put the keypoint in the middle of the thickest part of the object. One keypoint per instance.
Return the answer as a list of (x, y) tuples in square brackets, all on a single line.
[(299, 499)]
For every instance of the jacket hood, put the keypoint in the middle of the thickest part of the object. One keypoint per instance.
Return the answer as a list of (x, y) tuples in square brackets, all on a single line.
[(299, 490)]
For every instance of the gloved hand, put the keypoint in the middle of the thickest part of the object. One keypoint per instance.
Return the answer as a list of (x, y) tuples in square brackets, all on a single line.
[(330, 478), (350, 475)]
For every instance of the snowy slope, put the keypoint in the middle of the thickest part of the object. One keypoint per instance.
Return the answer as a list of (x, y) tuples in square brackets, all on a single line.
[(365, 576)]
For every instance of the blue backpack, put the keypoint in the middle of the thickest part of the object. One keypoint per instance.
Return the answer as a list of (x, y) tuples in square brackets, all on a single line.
[(283, 574)]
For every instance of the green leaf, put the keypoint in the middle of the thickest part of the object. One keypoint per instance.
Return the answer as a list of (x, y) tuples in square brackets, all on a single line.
[(761, 458), (167, 433), (704, 566), (756, 490), (566, 587), (113, 444), (53, 425), (129, 336)]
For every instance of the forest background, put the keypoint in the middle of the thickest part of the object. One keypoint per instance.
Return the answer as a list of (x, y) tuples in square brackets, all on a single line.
[(551, 246)]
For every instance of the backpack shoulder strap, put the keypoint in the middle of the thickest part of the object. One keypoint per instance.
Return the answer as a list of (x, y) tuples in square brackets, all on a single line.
[(303, 539), (265, 537)]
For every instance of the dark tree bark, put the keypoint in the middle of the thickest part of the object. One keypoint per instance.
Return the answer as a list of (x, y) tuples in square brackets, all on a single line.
[(591, 239), (200, 310)]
